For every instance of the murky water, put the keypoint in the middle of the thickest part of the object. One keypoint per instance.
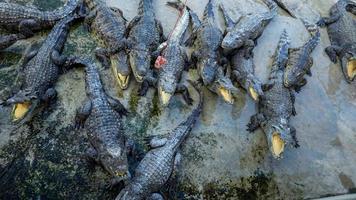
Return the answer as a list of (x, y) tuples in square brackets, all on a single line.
[(221, 160)]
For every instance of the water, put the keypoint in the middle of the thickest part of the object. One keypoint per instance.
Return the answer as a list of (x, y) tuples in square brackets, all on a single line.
[(221, 160)]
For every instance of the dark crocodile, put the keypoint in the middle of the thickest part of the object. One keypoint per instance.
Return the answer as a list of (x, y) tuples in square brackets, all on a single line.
[(10, 39), (101, 114), (207, 54), (276, 106), (40, 71), (26, 20), (248, 28), (158, 164), (300, 60), (243, 70), (170, 73), (145, 34), (109, 25), (342, 32)]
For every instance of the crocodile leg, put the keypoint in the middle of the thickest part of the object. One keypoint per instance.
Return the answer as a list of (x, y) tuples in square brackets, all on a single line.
[(333, 51), (149, 81), (82, 114), (249, 44), (102, 56), (26, 26), (57, 58), (157, 142), (302, 83), (181, 88), (325, 21), (155, 196), (117, 106), (351, 8), (255, 122), (91, 156), (49, 95), (309, 66)]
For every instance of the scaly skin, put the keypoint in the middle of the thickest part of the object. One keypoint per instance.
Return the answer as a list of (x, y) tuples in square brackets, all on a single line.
[(300, 60), (248, 29), (40, 72), (8, 40), (243, 69), (101, 117), (157, 166), (145, 34), (170, 73), (277, 105), (109, 25), (208, 53), (26, 20), (342, 32)]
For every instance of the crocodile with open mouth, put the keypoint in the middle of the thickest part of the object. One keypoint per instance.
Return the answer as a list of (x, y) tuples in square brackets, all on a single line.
[(300, 60), (243, 70), (207, 54), (342, 32), (40, 71), (248, 28), (26, 20), (109, 25), (145, 34), (276, 106), (157, 166), (101, 114)]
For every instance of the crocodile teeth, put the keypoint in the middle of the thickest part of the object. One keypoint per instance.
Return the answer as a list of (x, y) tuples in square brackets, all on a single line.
[(20, 110), (277, 145), (226, 95)]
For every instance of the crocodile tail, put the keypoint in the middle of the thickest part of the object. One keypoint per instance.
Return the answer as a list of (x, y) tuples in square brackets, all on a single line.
[(209, 10), (179, 5), (281, 55), (314, 31), (68, 8), (272, 6), (145, 7)]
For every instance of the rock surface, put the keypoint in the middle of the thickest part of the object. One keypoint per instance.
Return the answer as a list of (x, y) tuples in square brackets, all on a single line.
[(221, 160)]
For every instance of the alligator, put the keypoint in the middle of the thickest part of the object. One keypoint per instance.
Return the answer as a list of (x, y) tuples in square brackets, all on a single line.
[(39, 72), (170, 73), (341, 28), (100, 115), (248, 28), (207, 54), (145, 34), (276, 106), (300, 60), (26, 20), (10, 39), (243, 70), (109, 25), (158, 165)]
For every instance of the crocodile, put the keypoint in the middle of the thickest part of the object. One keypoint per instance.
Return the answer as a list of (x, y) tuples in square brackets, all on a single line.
[(170, 73), (276, 106), (248, 28), (207, 54), (157, 166), (26, 20), (243, 70), (145, 34), (109, 25), (300, 60), (341, 28), (39, 72), (10, 39), (100, 115)]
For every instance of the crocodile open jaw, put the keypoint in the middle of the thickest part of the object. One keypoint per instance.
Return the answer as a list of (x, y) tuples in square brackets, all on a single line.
[(277, 145), (20, 110), (253, 93), (226, 95)]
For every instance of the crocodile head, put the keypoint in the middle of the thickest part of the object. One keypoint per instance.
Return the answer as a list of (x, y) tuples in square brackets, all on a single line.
[(23, 103), (140, 61), (115, 163), (166, 89), (225, 89), (233, 40), (254, 88), (120, 69), (278, 137), (348, 64), (207, 68)]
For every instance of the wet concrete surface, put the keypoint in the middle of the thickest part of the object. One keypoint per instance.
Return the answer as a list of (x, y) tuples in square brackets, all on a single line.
[(221, 160)]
